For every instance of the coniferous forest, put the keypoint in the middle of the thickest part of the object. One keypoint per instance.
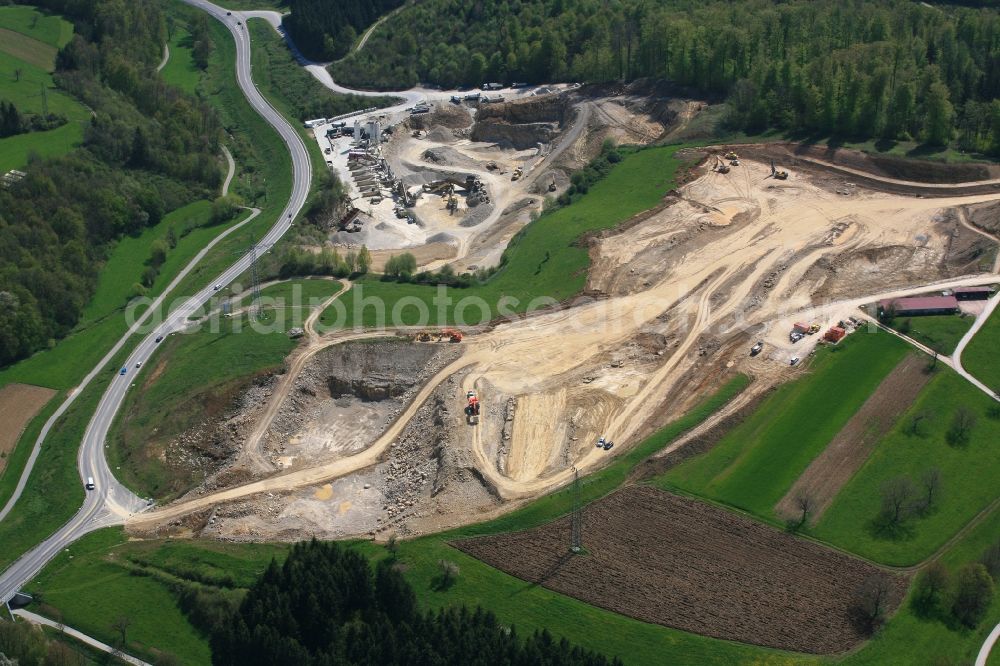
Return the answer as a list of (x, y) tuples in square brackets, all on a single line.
[(325, 605), (884, 69), (147, 149)]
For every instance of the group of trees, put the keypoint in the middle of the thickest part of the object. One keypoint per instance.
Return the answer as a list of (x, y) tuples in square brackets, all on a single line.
[(25, 644), (148, 149), (888, 69), (327, 30), (903, 498), (325, 605), (12, 121), (964, 596), (296, 261)]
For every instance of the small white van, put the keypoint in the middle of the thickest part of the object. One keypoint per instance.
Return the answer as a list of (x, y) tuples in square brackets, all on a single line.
[(90, 483)]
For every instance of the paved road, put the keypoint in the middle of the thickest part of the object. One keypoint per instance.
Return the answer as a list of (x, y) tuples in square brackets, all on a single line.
[(80, 636), (111, 503)]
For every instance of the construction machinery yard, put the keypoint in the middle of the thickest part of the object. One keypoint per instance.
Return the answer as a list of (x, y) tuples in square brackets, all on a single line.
[(675, 299)]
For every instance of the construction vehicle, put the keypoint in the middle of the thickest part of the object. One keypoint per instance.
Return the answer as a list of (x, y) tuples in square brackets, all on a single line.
[(732, 156), (518, 172), (472, 407), (734, 162), (424, 336), (813, 328), (452, 335), (756, 349), (552, 185), (721, 166), (778, 173)]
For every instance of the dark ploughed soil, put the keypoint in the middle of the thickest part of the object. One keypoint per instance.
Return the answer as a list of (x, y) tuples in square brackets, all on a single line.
[(682, 563)]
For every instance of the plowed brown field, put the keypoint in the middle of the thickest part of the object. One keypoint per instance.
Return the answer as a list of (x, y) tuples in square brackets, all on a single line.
[(675, 561), (18, 405)]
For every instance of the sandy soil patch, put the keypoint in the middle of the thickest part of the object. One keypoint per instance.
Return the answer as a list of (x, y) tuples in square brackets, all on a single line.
[(678, 562)]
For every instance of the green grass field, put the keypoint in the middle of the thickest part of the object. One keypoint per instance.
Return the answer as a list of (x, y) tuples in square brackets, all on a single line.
[(545, 263), (755, 464), (980, 356), (968, 477), (290, 292), (104, 577), (49, 29), (31, 88), (180, 70), (941, 332)]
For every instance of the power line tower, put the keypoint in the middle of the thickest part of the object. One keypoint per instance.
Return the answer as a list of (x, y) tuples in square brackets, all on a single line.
[(253, 249), (576, 531)]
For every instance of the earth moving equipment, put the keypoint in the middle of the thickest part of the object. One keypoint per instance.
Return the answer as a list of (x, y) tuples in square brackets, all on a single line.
[(732, 156), (721, 166), (472, 407), (452, 335), (756, 349), (777, 173), (552, 185), (517, 174), (734, 162)]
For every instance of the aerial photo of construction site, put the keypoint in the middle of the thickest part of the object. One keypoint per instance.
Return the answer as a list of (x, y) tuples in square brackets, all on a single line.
[(570, 353)]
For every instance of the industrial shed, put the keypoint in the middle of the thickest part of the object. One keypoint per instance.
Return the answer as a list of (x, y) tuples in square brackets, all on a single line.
[(919, 305), (973, 293)]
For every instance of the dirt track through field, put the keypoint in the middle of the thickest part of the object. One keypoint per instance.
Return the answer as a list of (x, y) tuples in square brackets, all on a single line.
[(850, 448), (18, 405), (682, 563)]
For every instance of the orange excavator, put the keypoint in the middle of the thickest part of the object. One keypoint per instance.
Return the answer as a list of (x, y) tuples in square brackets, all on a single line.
[(472, 407), (452, 335)]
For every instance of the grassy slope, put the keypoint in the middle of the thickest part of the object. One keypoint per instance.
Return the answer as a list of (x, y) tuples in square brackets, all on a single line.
[(756, 463), (544, 260), (54, 490), (294, 292), (980, 357), (257, 149), (103, 320), (36, 38), (969, 477), (96, 582), (943, 331), (52, 30), (212, 363), (180, 70)]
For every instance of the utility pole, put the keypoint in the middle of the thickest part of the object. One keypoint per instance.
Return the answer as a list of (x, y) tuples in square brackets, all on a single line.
[(576, 531), (253, 250)]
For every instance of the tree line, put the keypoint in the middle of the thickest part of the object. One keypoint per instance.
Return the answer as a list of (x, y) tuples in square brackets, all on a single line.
[(147, 149), (325, 605), (884, 69), (13, 122)]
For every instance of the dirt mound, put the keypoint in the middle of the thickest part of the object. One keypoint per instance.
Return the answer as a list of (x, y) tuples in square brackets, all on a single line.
[(546, 109), (446, 156), (518, 137), (986, 216), (678, 562), (450, 116)]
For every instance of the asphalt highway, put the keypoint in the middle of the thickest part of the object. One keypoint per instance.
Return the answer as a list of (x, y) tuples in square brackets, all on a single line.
[(110, 503)]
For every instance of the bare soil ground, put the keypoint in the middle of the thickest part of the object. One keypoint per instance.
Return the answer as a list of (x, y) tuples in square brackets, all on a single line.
[(18, 405), (849, 449), (679, 294), (678, 562)]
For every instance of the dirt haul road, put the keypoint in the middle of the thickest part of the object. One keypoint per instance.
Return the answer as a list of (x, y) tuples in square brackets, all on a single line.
[(738, 252)]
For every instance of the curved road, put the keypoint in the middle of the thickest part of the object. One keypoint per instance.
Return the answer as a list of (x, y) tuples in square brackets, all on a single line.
[(110, 503)]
